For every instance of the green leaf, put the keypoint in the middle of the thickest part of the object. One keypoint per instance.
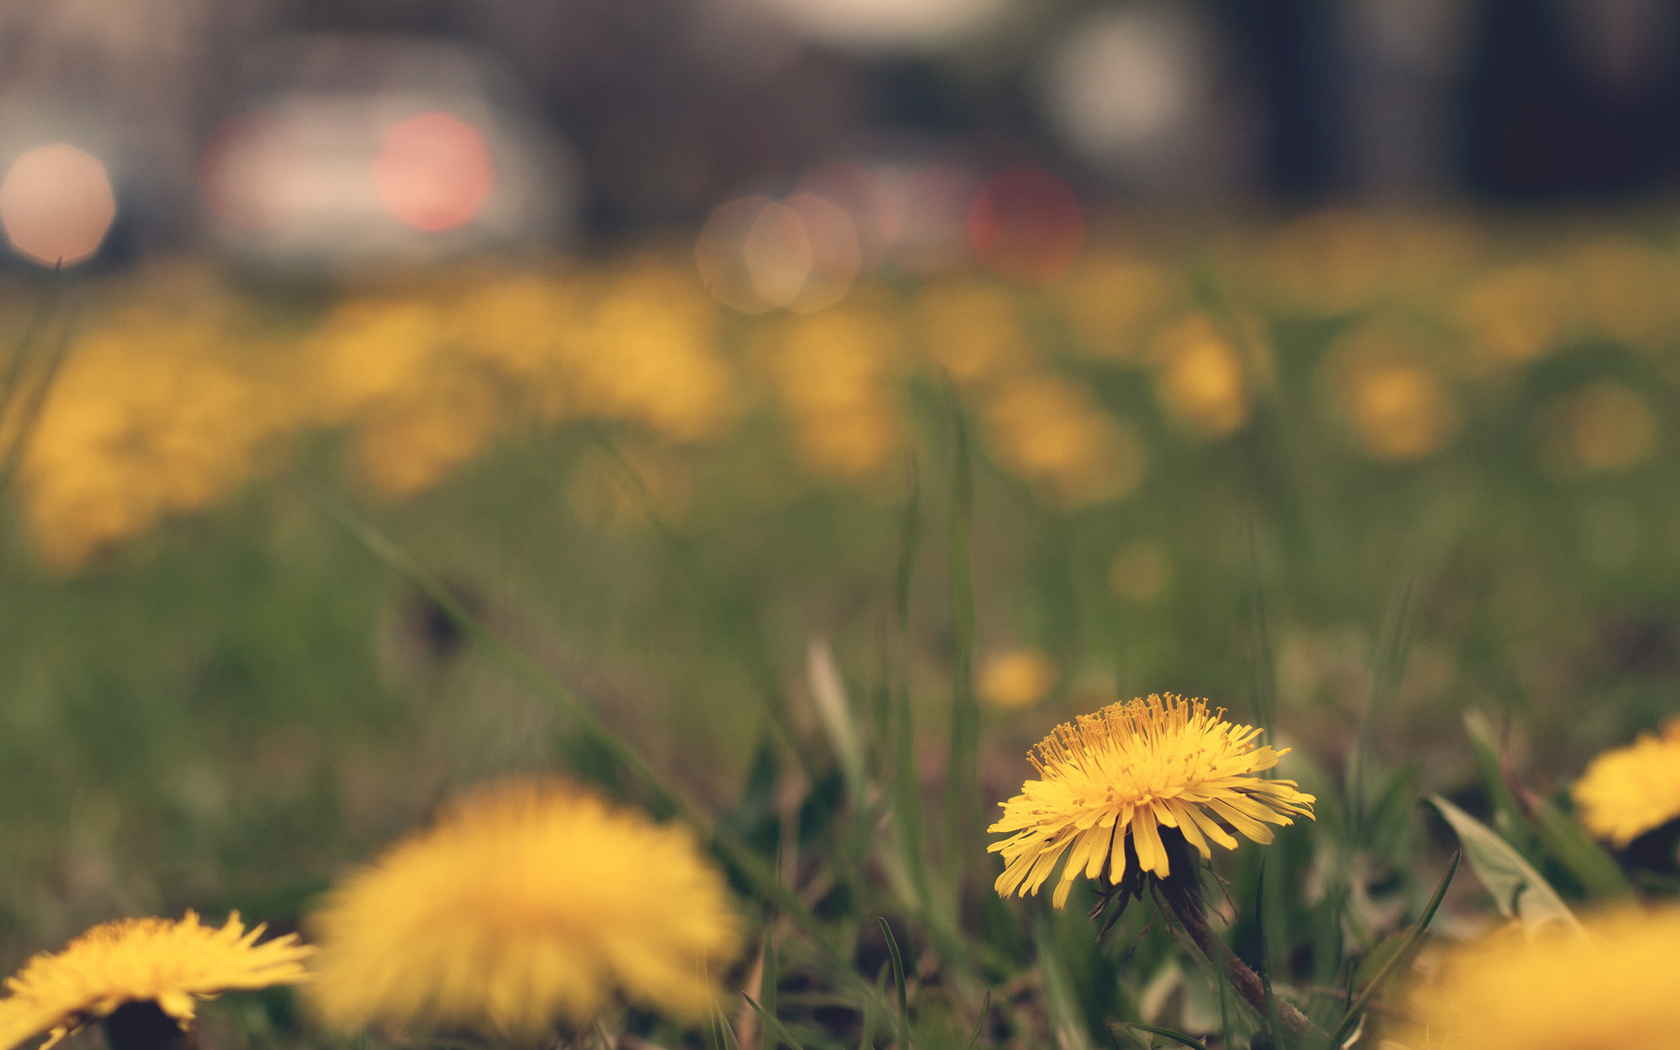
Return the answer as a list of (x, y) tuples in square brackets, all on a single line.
[(1350, 1020), (1272, 1027), (979, 1022), (898, 980), (1518, 890), (1565, 842), (1194, 1044), (770, 1022)]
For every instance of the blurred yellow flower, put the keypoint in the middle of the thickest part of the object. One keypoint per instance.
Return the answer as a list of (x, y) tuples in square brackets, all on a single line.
[(1112, 301), (1331, 262), (1121, 775), (1393, 402), (1611, 990), (1631, 790), (528, 904), (835, 371), (1603, 428), (142, 961), (1201, 380), (1518, 313), (1050, 432), (972, 329), (1627, 291), (1016, 678)]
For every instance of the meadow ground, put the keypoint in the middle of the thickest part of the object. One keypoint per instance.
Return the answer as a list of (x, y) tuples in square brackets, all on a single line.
[(287, 568)]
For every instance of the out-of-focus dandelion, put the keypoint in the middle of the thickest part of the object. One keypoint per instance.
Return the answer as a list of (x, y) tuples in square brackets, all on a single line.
[(1631, 790), (1603, 428), (834, 371), (1609, 990), (1016, 678), (1050, 432), (1627, 291), (1201, 380), (528, 905), (143, 978), (1393, 403), (1516, 314), (973, 330), (1110, 782), (1112, 302)]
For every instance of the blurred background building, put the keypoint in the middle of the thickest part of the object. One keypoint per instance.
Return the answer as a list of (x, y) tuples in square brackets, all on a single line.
[(302, 132)]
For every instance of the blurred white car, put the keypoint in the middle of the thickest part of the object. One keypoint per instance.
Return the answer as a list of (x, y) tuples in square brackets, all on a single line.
[(356, 153)]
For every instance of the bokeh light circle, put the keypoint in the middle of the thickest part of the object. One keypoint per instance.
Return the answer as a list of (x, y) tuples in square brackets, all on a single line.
[(1025, 225), (433, 172), (57, 205)]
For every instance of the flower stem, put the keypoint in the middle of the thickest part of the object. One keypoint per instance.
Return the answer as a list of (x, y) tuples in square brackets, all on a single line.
[(1182, 899)]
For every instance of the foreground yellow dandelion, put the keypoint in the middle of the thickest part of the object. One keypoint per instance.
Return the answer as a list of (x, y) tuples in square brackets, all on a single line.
[(1609, 991), (1121, 775), (1631, 790), (162, 965), (528, 905)]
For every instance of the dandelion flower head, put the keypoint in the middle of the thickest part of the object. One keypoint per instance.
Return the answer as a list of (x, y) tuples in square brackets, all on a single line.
[(529, 904), (1610, 990), (172, 964), (1125, 773), (1631, 790)]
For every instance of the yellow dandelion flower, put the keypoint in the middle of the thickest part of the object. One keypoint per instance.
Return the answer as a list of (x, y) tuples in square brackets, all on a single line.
[(1631, 790), (1121, 775), (1608, 991), (527, 905), (157, 961)]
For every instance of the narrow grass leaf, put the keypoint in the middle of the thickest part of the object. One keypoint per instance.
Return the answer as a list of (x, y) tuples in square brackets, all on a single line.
[(1356, 1011), (1517, 888), (1264, 660), (898, 981), (767, 981), (1179, 1037), (962, 788), (1272, 1027), (771, 1025), (979, 1022), (1393, 644), (834, 713)]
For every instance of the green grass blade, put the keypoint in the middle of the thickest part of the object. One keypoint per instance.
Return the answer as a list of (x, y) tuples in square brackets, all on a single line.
[(767, 992), (1279, 1040), (1351, 1018), (771, 1022), (1264, 660), (1180, 1037), (871, 1011), (727, 1032), (1394, 641), (962, 788), (908, 823), (979, 1022), (909, 544), (898, 980)]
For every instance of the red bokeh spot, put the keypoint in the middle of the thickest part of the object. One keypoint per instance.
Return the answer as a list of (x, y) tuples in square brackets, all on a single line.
[(433, 171), (1025, 225)]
